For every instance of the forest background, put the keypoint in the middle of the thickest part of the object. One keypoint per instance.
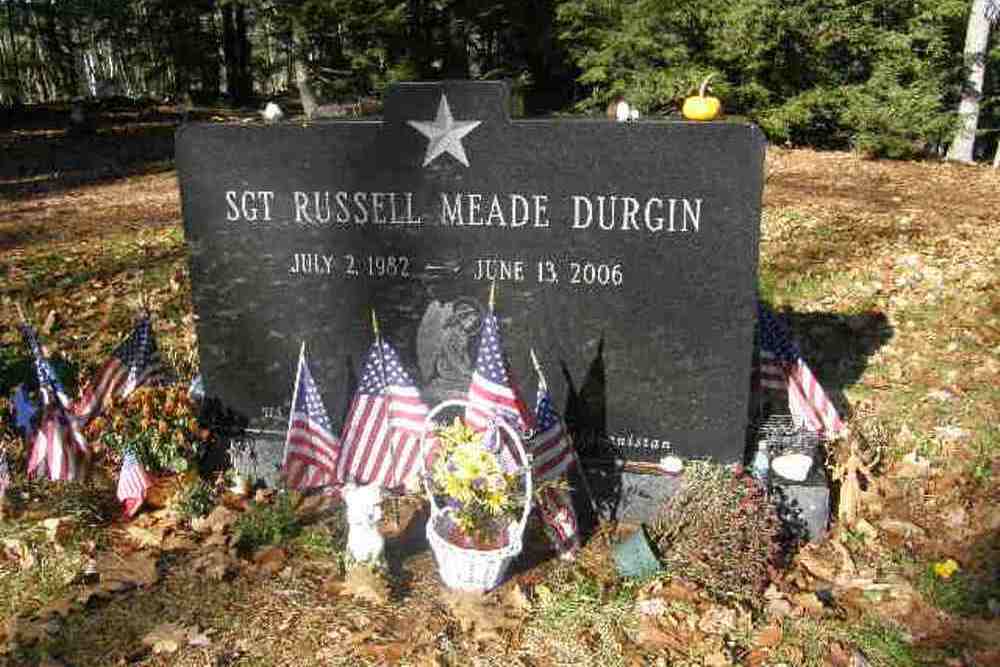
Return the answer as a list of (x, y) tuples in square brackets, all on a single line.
[(883, 77)]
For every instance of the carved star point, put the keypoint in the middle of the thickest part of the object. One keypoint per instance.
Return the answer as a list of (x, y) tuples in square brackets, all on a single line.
[(444, 134)]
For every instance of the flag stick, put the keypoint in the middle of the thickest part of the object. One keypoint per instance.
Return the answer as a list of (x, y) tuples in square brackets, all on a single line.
[(385, 386), (295, 394), (538, 369), (20, 313), (493, 295), (576, 455)]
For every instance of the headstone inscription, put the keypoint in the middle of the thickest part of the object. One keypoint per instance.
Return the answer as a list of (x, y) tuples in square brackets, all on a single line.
[(624, 254)]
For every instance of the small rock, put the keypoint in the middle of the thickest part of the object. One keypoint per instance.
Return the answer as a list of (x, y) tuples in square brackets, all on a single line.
[(671, 464), (903, 529), (272, 112)]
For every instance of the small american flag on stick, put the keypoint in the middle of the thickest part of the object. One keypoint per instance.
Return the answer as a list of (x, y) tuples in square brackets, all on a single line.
[(133, 482), (381, 436), (551, 447), (49, 385), (311, 448), (782, 367), (492, 391), (57, 446), (58, 441), (134, 362)]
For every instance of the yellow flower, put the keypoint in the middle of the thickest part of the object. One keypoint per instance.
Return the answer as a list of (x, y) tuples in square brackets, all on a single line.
[(946, 568), (495, 501)]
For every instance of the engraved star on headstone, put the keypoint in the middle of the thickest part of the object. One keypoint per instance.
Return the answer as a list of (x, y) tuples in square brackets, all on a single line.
[(444, 134)]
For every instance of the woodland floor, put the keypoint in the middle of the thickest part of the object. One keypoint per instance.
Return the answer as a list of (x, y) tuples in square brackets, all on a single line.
[(889, 272)]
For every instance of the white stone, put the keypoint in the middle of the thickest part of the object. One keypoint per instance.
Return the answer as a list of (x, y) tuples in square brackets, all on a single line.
[(272, 112), (364, 511), (792, 466), (671, 464)]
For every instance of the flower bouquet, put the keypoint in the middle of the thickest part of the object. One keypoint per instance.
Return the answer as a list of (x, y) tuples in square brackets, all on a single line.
[(480, 501)]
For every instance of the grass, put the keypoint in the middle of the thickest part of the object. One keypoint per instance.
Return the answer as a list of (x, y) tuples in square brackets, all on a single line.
[(883, 644), (40, 568), (267, 524), (574, 622)]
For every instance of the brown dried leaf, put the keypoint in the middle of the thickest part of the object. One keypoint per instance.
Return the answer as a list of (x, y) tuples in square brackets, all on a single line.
[(119, 573), (651, 635), (144, 537), (385, 654), (269, 560), (515, 599), (178, 543), (312, 506), (808, 603), (476, 614), (768, 636), (717, 659), (57, 527), (717, 620), (218, 521), (19, 552), (364, 583), (813, 562), (166, 638), (217, 565)]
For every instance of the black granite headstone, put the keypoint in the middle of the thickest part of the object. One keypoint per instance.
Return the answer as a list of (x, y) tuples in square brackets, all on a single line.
[(625, 254)]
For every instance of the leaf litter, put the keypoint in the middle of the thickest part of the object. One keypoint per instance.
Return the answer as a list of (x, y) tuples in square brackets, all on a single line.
[(908, 276)]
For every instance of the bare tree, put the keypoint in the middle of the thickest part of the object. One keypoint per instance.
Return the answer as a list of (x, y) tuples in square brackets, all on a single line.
[(977, 37)]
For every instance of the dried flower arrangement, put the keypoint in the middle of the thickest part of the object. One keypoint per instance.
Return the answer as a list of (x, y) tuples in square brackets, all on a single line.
[(719, 530)]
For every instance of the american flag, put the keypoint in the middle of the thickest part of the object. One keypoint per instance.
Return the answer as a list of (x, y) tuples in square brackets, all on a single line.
[(311, 448), (58, 441), (134, 362), (132, 484), (49, 385), (4, 473), (57, 446), (381, 435), (491, 391), (551, 446), (782, 367)]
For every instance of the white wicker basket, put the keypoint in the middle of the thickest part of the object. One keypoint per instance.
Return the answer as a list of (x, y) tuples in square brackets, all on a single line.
[(473, 569)]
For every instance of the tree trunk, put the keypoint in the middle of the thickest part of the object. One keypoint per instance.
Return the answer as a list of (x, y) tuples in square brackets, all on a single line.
[(245, 74), (229, 51), (306, 95), (977, 36)]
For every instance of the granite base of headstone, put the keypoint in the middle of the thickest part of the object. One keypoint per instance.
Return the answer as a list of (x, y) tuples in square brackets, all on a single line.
[(256, 456), (803, 507)]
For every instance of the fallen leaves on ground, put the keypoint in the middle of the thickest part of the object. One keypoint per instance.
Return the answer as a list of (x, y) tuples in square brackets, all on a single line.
[(118, 572), (218, 520), (477, 614), (171, 637), (364, 583)]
